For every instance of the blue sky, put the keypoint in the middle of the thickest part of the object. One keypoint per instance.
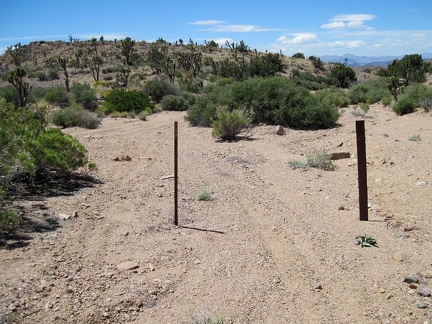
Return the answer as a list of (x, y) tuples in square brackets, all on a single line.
[(312, 27)]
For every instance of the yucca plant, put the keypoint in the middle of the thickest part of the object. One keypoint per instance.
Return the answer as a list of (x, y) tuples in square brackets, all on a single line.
[(365, 241)]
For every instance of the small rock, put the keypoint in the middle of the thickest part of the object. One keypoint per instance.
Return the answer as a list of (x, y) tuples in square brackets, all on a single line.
[(412, 280), (151, 267), (127, 265), (413, 285), (64, 216), (424, 291), (75, 214), (318, 287), (280, 130), (340, 155), (122, 158), (421, 183), (341, 208), (409, 229), (422, 305)]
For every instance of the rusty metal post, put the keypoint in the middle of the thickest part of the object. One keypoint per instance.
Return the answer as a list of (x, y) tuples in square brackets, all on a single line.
[(176, 173), (361, 164)]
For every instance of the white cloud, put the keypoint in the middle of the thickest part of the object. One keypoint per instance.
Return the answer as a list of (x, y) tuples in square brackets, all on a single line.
[(299, 38), (347, 44), (220, 26), (350, 21), (334, 25), (222, 41), (207, 22), (351, 17)]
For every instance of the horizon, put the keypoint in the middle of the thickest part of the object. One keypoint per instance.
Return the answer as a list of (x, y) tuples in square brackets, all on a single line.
[(296, 26)]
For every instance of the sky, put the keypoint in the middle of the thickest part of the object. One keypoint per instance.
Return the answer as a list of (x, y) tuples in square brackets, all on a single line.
[(311, 27)]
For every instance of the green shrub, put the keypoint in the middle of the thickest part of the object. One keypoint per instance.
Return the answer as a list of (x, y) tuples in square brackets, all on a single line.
[(41, 75), (9, 219), (189, 97), (386, 101), (275, 100), (38, 93), (133, 100), (75, 117), (53, 74), (171, 102), (415, 138), (143, 115), (420, 94), (320, 159), (368, 92), (57, 96), (333, 96), (230, 123), (28, 146), (204, 195), (405, 105), (115, 114), (54, 150), (10, 95), (159, 88), (344, 75), (85, 95)]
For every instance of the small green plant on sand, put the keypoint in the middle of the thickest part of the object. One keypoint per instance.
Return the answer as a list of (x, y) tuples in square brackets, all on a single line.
[(415, 138), (8, 221), (320, 160), (365, 241), (204, 195)]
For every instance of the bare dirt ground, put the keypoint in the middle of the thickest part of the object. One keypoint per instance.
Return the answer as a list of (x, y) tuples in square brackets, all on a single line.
[(274, 245)]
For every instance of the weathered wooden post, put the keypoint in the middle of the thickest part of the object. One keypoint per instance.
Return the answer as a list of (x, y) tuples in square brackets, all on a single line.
[(176, 173), (361, 165)]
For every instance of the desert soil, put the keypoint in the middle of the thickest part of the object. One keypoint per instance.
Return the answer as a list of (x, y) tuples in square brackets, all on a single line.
[(273, 245)]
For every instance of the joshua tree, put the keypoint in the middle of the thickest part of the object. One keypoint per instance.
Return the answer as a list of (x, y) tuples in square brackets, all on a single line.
[(18, 53), (127, 45), (395, 87), (63, 63), (94, 66), (123, 76), (23, 88)]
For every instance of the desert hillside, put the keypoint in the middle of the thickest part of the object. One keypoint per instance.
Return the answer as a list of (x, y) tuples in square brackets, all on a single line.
[(264, 236)]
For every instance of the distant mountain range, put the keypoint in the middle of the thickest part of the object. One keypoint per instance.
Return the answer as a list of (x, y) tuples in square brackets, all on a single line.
[(355, 61)]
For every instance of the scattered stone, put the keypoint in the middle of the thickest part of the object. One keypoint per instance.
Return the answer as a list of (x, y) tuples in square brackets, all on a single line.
[(318, 287), (409, 229), (127, 265), (151, 267), (422, 305), (412, 280), (64, 216), (145, 158), (341, 208), (75, 214), (424, 291), (153, 292), (421, 183), (170, 176), (413, 285), (280, 130), (122, 158), (340, 155)]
